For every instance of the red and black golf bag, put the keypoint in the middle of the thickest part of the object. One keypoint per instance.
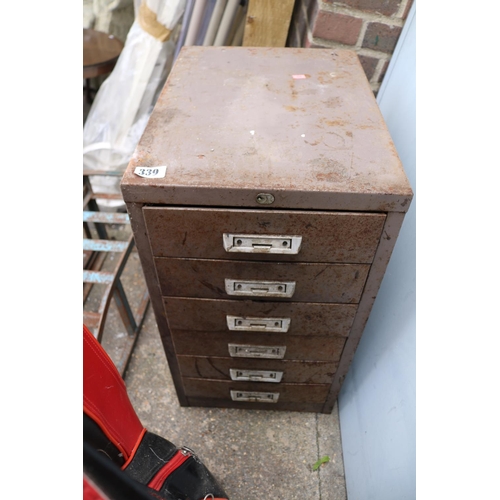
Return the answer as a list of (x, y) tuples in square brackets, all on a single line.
[(121, 459)]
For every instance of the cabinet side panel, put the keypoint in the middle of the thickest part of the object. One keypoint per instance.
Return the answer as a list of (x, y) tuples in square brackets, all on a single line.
[(145, 255), (388, 240)]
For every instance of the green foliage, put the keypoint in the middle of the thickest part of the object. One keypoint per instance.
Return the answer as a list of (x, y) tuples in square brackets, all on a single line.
[(320, 462)]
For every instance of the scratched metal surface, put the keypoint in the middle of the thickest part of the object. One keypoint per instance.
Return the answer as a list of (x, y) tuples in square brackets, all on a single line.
[(326, 236), (306, 318), (205, 278), (294, 371), (301, 124), (297, 347)]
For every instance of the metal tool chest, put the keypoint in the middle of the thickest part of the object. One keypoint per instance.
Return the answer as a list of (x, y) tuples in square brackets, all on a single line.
[(266, 237)]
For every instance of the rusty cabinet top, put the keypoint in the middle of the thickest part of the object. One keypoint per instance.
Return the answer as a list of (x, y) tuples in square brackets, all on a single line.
[(301, 125)]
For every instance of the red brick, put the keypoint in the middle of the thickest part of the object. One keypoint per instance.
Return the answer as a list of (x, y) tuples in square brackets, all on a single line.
[(337, 27), (384, 7), (369, 65), (381, 37)]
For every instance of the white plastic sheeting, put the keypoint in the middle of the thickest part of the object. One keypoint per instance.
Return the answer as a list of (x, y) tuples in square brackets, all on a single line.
[(125, 100)]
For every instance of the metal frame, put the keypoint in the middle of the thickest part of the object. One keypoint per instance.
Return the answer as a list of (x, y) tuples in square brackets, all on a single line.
[(95, 252)]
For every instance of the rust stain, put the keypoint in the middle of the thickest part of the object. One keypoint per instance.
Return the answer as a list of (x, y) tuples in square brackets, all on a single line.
[(333, 102), (329, 170), (324, 77), (334, 123), (293, 108)]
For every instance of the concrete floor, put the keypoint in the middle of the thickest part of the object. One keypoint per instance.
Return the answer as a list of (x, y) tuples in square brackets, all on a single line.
[(254, 454)]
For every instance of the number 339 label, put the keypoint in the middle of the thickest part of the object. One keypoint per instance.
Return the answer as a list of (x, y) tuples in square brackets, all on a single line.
[(151, 172)]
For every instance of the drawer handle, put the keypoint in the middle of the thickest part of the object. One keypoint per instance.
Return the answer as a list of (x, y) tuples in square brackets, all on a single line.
[(240, 323), (260, 288), (255, 397), (255, 375), (256, 351), (251, 243)]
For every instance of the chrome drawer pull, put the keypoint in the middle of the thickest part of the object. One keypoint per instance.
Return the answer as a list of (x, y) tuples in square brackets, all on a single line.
[(239, 323), (251, 243), (260, 288), (255, 397), (255, 375), (256, 351)]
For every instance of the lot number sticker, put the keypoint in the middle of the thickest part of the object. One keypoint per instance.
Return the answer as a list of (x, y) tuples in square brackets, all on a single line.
[(151, 172)]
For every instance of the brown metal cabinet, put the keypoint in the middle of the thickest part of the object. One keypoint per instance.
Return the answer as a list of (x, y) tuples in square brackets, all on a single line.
[(265, 197)]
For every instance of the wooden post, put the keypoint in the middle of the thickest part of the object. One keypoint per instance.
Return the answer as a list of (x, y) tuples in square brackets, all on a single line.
[(267, 23)]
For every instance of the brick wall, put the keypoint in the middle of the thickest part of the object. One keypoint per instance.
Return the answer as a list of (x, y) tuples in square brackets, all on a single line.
[(370, 27)]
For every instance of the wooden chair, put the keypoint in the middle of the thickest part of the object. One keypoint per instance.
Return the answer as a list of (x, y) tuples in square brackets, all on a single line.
[(97, 247)]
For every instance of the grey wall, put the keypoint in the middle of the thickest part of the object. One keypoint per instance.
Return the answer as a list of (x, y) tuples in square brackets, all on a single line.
[(377, 401)]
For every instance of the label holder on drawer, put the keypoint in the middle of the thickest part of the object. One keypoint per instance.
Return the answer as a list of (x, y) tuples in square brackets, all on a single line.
[(255, 375), (250, 288), (246, 324), (255, 397), (255, 243), (256, 351)]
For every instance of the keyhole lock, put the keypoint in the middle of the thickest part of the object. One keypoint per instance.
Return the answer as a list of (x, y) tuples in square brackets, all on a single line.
[(264, 198)]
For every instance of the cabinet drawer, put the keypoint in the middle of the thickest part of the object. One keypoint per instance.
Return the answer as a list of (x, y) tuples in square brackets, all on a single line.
[(292, 318), (296, 347), (306, 372), (286, 393), (341, 283), (325, 236)]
